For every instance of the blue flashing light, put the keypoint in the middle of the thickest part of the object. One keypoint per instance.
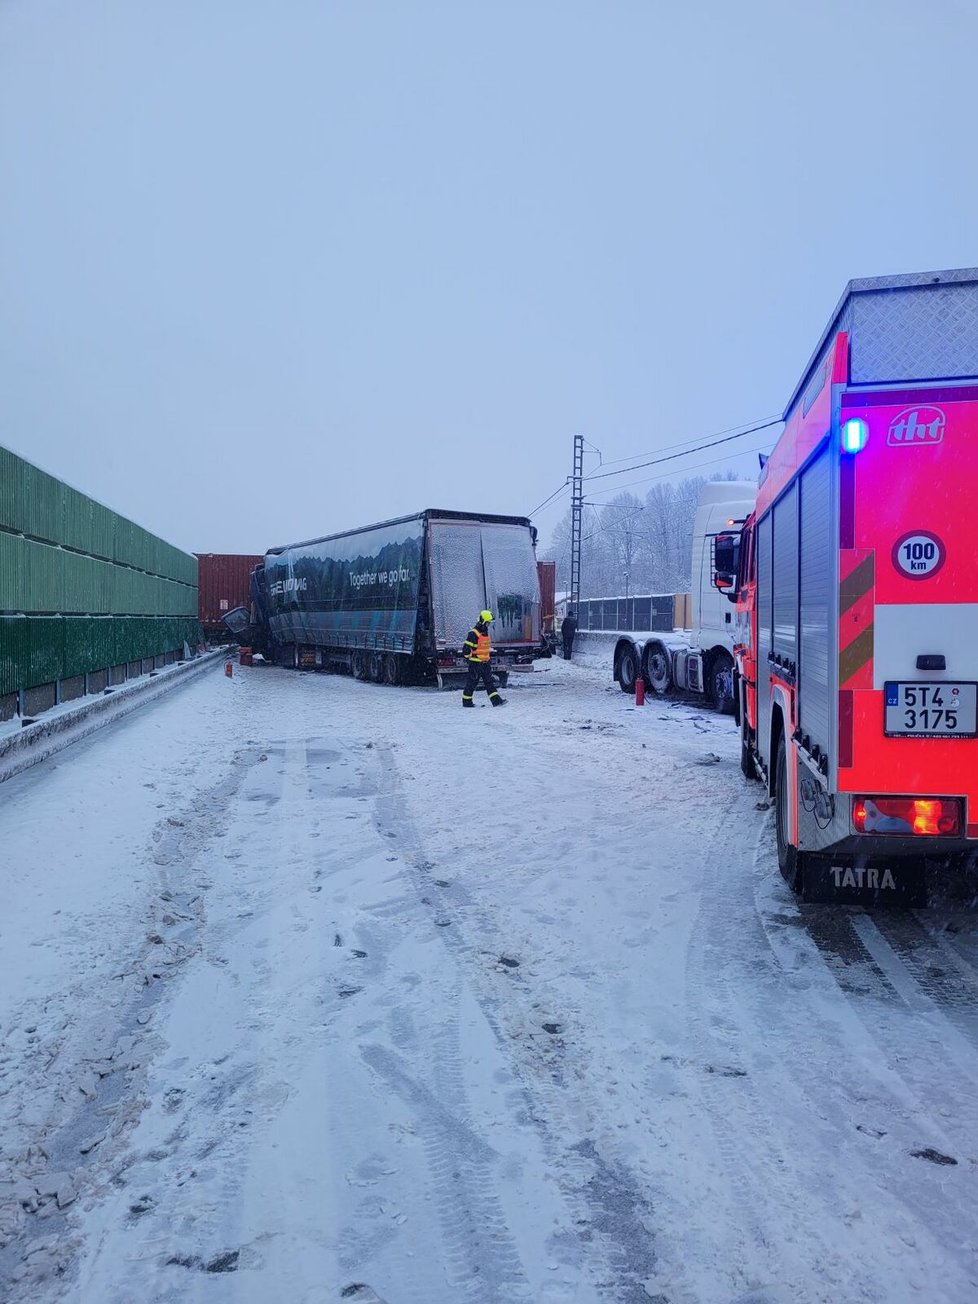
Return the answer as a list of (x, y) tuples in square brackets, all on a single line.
[(855, 432)]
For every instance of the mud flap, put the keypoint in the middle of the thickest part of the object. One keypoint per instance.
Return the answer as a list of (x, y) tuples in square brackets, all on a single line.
[(899, 883)]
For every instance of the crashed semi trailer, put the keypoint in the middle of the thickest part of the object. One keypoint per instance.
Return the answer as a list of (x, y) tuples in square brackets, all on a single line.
[(394, 602), (857, 597)]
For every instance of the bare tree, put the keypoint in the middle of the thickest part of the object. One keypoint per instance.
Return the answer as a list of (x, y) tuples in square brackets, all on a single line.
[(650, 542)]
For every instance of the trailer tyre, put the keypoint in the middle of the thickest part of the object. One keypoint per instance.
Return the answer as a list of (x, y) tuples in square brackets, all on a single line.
[(358, 665), (657, 671), (627, 670), (392, 669), (790, 859)]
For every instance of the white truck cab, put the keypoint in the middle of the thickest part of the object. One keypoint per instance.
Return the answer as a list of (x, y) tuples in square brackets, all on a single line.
[(699, 660)]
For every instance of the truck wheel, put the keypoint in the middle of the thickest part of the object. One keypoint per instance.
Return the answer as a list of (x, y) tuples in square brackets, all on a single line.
[(627, 670), (789, 857), (721, 684), (358, 665), (657, 672), (375, 667), (392, 669)]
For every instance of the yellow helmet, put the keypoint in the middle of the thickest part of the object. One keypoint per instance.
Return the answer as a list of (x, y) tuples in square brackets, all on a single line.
[(485, 616)]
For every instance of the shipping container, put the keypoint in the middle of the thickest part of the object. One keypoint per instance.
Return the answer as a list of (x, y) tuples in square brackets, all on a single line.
[(223, 584)]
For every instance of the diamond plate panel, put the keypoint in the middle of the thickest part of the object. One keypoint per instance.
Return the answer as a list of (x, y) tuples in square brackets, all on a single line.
[(920, 333), (922, 326)]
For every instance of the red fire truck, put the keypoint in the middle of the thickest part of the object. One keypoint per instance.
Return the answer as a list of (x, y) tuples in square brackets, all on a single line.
[(856, 591)]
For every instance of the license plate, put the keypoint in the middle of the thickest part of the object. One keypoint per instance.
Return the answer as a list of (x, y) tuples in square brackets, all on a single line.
[(934, 710)]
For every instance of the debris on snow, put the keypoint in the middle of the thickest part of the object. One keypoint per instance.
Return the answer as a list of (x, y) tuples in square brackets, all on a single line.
[(933, 1156)]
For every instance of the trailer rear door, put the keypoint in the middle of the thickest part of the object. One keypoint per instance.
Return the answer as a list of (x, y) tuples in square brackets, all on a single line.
[(476, 564)]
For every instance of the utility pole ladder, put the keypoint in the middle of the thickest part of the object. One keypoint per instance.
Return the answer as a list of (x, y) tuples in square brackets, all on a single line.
[(577, 510)]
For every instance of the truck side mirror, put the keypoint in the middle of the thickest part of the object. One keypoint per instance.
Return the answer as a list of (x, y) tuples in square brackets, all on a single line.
[(726, 550)]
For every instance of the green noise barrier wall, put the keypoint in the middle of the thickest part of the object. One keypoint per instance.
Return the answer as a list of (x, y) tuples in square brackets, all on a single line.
[(81, 588)]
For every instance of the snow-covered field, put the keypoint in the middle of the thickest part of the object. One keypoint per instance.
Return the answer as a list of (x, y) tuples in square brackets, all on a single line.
[(314, 990)]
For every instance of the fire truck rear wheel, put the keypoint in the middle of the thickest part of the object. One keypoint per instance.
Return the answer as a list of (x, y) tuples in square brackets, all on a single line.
[(721, 684), (627, 670), (789, 857)]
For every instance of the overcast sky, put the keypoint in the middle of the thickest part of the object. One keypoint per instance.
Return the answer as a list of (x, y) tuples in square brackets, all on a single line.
[(272, 270)]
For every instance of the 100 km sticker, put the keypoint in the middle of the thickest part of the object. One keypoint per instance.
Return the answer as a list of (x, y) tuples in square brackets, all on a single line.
[(919, 555)]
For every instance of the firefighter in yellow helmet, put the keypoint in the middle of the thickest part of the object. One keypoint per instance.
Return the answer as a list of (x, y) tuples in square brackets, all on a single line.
[(477, 650)]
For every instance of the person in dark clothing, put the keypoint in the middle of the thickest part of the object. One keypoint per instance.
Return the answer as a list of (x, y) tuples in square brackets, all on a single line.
[(478, 650), (568, 628)]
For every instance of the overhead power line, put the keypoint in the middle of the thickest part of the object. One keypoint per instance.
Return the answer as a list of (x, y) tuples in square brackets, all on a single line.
[(551, 498), (684, 450), (664, 475), (698, 448), (684, 443)]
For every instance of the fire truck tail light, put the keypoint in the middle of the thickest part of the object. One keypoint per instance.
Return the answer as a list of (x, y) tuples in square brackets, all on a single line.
[(924, 816), (855, 432)]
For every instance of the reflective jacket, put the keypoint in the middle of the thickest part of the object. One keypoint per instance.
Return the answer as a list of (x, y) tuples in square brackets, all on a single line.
[(478, 645)]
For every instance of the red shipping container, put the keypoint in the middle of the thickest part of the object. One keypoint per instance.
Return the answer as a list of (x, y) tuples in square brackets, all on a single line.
[(224, 581)]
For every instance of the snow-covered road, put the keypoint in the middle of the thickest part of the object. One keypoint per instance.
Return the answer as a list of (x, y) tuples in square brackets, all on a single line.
[(314, 989)]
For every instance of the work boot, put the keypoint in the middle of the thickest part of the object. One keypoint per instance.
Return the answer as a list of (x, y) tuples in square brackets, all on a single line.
[(467, 701), (496, 700)]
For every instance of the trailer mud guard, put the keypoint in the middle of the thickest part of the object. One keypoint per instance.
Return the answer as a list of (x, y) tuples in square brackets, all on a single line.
[(871, 883)]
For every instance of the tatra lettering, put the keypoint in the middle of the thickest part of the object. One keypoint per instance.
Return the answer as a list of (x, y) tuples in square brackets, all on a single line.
[(871, 878)]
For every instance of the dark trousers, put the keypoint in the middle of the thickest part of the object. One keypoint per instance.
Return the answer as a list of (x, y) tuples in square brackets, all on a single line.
[(568, 646), (479, 670)]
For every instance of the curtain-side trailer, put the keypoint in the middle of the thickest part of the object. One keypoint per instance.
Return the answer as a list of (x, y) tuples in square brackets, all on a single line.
[(393, 602), (857, 598)]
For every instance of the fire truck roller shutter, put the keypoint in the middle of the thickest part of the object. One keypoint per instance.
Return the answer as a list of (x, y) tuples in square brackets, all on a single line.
[(785, 575), (818, 531), (765, 620)]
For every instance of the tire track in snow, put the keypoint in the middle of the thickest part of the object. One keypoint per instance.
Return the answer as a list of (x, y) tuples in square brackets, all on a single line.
[(940, 974), (482, 1252), (111, 1104), (750, 1156), (612, 1214), (775, 1132), (484, 1261), (868, 1066), (902, 985)]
